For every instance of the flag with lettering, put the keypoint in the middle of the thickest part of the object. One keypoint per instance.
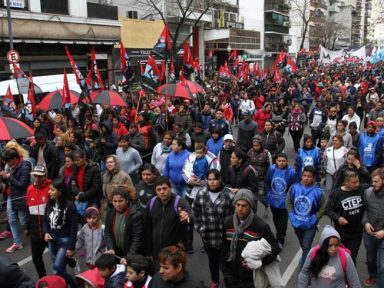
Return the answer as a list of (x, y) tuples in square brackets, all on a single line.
[(163, 44)]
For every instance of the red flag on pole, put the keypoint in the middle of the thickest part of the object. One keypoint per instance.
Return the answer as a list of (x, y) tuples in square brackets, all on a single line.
[(187, 57), (151, 62), (75, 70), (292, 64), (163, 44), (141, 69), (66, 93), (233, 55), (94, 71), (162, 72), (182, 78), (172, 75), (31, 96), (9, 95)]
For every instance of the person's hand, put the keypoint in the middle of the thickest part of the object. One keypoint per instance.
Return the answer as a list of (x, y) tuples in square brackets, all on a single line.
[(379, 234), (245, 265), (123, 261), (369, 229), (5, 175), (184, 217), (70, 253), (47, 237), (356, 163), (342, 221), (110, 251)]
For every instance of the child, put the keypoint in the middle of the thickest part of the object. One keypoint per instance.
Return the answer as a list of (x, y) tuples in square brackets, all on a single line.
[(323, 145), (91, 237), (138, 272), (114, 274)]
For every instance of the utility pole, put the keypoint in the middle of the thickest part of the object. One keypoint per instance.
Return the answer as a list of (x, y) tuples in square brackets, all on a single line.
[(9, 25)]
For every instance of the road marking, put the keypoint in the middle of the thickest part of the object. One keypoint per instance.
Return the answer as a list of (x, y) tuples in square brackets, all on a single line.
[(291, 268), (26, 260)]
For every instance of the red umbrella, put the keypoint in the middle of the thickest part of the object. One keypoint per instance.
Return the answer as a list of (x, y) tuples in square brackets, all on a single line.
[(109, 98), (11, 128), (54, 99), (175, 90), (194, 87)]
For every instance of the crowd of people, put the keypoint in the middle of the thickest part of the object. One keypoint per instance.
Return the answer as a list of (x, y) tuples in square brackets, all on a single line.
[(126, 187)]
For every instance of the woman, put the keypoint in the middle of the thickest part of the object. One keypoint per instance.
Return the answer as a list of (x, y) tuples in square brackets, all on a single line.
[(273, 141), (67, 170), (146, 187), (161, 151), (174, 166), (330, 124), (352, 163), (279, 117), (246, 104), (328, 264), (332, 159), (60, 231), (263, 115), (61, 140), (341, 128), (173, 273), (296, 121), (148, 132), (352, 129), (123, 227), (309, 154), (211, 206)]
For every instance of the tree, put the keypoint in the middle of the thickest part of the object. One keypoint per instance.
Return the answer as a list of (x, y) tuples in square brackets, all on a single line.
[(377, 15), (328, 32), (301, 13)]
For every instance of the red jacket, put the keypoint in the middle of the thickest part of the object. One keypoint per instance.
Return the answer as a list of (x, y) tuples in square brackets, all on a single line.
[(260, 117), (120, 130)]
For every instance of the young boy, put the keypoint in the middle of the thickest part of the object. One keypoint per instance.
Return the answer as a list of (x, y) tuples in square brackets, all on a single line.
[(138, 272), (90, 237), (114, 274)]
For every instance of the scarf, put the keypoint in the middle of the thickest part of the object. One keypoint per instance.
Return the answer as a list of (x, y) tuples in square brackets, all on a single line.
[(165, 149), (239, 229)]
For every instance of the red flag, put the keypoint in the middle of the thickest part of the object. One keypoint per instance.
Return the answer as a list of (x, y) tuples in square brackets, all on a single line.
[(94, 72), (151, 62), (292, 64), (123, 59), (233, 55), (31, 96), (162, 73), (172, 74), (75, 70), (256, 68), (276, 75), (141, 69), (9, 95), (182, 78), (18, 72), (66, 93), (163, 44), (210, 53), (187, 57)]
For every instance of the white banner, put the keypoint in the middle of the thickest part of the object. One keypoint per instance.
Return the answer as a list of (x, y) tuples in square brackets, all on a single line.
[(342, 56), (328, 56), (359, 53)]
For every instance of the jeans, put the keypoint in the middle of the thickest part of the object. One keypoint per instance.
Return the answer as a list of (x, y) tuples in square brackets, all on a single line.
[(179, 189), (14, 216), (37, 250), (305, 239), (213, 262), (280, 220), (328, 183), (375, 258), (58, 248)]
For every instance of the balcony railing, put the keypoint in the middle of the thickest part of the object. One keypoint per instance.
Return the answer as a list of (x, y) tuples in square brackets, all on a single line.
[(282, 8), (277, 29)]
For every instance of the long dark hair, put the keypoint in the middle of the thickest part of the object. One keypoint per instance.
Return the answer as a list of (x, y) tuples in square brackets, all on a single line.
[(59, 184), (321, 258)]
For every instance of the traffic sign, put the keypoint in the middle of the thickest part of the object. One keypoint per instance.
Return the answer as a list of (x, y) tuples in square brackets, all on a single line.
[(13, 56)]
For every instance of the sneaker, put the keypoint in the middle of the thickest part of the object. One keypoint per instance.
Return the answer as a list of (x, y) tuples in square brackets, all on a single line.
[(5, 234), (14, 247), (369, 282), (214, 285)]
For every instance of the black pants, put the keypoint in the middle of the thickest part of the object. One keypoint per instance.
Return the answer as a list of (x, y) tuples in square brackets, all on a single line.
[(352, 242), (37, 250), (213, 262), (316, 135), (189, 234), (280, 220), (232, 281), (296, 137)]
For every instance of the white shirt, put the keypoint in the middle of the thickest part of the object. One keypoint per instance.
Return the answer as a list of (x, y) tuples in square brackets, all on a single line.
[(355, 118), (335, 158)]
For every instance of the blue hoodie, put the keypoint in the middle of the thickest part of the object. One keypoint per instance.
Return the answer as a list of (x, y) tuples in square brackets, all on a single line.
[(174, 166), (215, 146)]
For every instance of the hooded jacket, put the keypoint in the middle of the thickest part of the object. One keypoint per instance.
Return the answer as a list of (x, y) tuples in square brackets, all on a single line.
[(261, 116), (117, 279), (273, 142), (246, 131), (11, 276), (260, 160), (111, 138), (93, 241), (91, 184)]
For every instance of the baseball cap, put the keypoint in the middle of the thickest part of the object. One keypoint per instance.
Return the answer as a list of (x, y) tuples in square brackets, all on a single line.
[(39, 170), (228, 137)]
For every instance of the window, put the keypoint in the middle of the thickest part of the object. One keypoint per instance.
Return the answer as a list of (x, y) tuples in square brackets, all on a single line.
[(55, 7)]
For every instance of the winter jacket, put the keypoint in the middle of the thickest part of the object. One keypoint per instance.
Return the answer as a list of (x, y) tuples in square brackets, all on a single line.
[(120, 130), (199, 137), (111, 138), (11, 275), (37, 199), (260, 160), (91, 184), (137, 141), (117, 279), (364, 176), (159, 157), (222, 125), (184, 118), (242, 177), (187, 282), (133, 230), (130, 160), (273, 142), (246, 131), (261, 116), (163, 225), (224, 158), (144, 194), (50, 158), (373, 211), (174, 167), (93, 242), (206, 120), (215, 146)]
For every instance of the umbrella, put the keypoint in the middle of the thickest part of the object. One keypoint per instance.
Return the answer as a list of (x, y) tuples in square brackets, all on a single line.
[(194, 87), (110, 98), (54, 100), (175, 90), (11, 128)]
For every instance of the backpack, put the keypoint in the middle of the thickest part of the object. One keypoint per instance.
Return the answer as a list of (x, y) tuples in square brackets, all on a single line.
[(175, 204), (295, 123), (342, 257)]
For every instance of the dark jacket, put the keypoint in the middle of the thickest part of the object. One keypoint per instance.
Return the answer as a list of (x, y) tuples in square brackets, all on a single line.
[(257, 230), (50, 158), (365, 178), (137, 141), (18, 182), (91, 184), (117, 279), (225, 161), (111, 138), (163, 226), (187, 282), (242, 177), (11, 276), (245, 134), (133, 232), (273, 142)]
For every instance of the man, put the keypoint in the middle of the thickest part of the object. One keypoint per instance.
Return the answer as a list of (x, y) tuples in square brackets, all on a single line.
[(220, 123), (279, 180), (345, 208), (371, 147), (167, 217), (317, 119), (45, 154), (198, 135), (247, 129), (240, 229), (129, 159), (352, 116), (225, 156), (376, 112), (180, 132), (373, 235), (37, 199), (206, 116)]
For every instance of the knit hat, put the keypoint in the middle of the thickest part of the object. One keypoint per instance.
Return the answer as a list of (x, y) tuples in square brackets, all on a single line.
[(372, 123), (327, 232), (92, 211), (245, 194)]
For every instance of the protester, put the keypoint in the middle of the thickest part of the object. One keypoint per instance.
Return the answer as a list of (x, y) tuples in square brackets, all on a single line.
[(129, 159), (296, 121), (138, 272), (146, 187), (113, 273), (247, 129), (309, 154)]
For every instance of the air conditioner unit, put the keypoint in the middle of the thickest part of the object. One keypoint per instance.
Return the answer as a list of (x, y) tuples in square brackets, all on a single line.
[(132, 14)]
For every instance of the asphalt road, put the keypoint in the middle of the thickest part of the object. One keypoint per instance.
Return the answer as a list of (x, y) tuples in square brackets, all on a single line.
[(198, 262)]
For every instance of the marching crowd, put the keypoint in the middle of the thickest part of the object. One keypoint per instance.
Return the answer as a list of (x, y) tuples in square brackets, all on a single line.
[(126, 187)]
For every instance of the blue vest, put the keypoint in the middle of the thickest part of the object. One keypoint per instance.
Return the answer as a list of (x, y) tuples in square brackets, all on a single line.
[(279, 181), (367, 148), (306, 203), (307, 157)]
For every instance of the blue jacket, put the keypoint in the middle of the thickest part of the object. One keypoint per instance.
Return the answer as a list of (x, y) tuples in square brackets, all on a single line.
[(370, 149), (306, 203), (215, 146), (306, 157), (278, 182), (174, 167)]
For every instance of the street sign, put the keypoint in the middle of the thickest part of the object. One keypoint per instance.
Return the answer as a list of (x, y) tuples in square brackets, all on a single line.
[(13, 56)]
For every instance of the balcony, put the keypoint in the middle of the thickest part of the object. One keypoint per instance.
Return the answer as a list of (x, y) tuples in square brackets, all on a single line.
[(282, 8), (101, 11), (276, 29)]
